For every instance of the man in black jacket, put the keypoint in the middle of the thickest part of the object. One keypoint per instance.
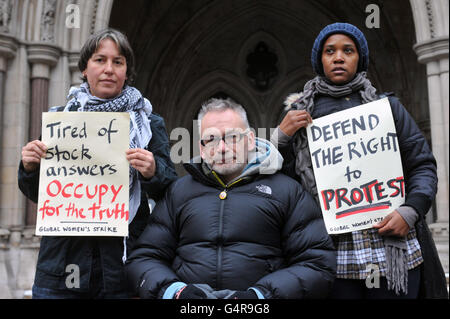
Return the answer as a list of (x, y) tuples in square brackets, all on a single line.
[(234, 228)]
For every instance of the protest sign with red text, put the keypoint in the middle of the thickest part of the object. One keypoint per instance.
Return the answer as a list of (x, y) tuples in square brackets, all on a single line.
[(84, 178), (357, 166)]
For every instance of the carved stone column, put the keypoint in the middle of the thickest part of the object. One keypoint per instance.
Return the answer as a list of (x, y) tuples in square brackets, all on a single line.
[(42, 58), (434, 53), (75, 79), (8, 49)]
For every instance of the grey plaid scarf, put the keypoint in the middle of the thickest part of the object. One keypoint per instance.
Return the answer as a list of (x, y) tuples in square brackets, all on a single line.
[(397, 272), (129, 100)]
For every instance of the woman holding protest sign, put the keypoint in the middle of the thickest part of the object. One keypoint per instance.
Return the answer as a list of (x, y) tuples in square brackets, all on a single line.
[(92, 267), (399, 247)]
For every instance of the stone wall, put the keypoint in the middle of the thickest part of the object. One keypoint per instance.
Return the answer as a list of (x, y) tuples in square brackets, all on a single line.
[(18, 255)]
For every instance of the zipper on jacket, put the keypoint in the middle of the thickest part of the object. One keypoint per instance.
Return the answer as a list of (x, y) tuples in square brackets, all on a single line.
[(226, 186), (223, 196), (219, 247)]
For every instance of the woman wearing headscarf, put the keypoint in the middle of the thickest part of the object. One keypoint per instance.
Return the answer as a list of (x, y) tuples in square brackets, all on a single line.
[(107, 64), (400, 246)]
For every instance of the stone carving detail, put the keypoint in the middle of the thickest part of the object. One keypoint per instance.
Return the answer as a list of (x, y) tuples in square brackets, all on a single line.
[(430, 17), (262, 67), (48, 21), (94, 16), (5, 15)]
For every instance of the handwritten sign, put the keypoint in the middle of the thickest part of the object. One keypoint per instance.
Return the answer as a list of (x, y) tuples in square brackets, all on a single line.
[(357, 166), (84, 178)]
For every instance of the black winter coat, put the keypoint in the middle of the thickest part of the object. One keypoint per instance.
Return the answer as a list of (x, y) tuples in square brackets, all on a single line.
[(268, 233), (56, 253), (419, 169)]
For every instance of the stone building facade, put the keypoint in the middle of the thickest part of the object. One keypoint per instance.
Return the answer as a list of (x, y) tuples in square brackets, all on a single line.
[(255, 51)]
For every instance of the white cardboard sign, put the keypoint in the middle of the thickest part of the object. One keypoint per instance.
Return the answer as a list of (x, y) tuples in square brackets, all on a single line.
[(84, 178), (357, 166)]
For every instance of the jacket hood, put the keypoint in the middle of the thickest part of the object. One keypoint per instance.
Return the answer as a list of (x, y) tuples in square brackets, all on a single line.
[(265, 159)]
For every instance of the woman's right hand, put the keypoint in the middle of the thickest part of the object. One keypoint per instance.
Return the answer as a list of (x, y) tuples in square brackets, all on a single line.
[(294, 120), (32, 154)]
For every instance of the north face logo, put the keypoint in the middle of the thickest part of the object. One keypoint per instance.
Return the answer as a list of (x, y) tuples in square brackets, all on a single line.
[(264, 189)]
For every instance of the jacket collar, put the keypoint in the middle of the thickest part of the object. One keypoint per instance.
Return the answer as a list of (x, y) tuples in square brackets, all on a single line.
[(203, 174)]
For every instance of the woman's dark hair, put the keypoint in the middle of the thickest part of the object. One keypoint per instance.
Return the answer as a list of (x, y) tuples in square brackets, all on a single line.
[(93, 42)]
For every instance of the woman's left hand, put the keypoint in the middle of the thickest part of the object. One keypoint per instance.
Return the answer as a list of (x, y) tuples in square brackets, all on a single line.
[(392, 225), (143, 161)]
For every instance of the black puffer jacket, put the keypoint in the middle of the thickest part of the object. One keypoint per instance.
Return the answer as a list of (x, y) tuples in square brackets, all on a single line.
[(56, 253), (268, 233)]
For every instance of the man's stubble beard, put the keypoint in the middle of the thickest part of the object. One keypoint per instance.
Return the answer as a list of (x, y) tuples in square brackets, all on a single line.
[(228, 169)]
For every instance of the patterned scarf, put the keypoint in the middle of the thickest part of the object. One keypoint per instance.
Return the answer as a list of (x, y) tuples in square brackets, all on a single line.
[(129, 100)]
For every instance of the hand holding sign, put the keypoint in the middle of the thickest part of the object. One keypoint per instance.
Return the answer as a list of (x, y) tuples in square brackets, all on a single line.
[(143, 161), (392, 225), (32, 153), (294, 120)]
